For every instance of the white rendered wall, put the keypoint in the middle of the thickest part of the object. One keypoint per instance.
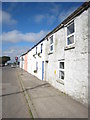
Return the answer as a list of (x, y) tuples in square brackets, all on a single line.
[(75, 82), (37, 58), (76, 60)]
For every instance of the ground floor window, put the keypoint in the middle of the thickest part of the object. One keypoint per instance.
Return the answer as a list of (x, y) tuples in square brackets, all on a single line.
[(61, 70), (37, 66)]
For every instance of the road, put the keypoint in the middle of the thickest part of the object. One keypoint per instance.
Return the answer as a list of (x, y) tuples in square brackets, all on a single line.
[(13, 102)]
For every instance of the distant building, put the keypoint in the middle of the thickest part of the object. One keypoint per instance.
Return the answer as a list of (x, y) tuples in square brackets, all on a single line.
[(61, 57)]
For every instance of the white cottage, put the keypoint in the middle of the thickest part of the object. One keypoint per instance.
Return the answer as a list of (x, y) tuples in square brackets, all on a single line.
[(68, 55), (61, 58), (22, 62), (36, 58)]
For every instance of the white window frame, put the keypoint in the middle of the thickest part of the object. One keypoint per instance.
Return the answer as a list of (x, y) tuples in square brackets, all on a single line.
[(41, 47), (72, 34), (37, 66), (51, 44), (36, 49), (63, 70)]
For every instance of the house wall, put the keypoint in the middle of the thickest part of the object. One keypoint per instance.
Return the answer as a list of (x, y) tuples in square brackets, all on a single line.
[(75, 82), (20, 65), (31, 62), (23, 67), (33, 58), (40, 59), (75, 60), (25, 62), (53, 59), (22, 62)]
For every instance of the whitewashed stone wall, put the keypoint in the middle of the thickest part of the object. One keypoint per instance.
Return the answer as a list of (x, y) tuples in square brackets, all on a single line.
[(76, 61), (75, 83), (39, 57), (22, 62)]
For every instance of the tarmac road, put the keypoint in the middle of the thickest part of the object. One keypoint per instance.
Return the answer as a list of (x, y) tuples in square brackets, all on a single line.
[(13, 102)]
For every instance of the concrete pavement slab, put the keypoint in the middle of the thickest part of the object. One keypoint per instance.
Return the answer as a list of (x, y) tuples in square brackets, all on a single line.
[(49, 102)]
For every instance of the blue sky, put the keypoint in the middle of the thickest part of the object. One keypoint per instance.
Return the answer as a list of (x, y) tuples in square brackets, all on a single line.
[(24, 24)]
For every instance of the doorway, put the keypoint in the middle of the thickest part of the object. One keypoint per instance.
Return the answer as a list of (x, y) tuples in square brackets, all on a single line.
[(42, 70)]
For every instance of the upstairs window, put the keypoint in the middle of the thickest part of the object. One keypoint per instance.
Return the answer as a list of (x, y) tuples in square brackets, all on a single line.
[(70, 34), (41, 48), (51, 43), (61, 70), (36, 50)]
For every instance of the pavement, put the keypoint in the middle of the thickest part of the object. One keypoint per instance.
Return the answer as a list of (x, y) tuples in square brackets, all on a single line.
[(14, 104), (47, 102)]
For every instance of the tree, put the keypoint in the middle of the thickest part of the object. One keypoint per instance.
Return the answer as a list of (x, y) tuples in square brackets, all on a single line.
[(4, 59)]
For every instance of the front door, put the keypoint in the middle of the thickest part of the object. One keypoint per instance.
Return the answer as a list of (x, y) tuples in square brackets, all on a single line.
[(42, 70)]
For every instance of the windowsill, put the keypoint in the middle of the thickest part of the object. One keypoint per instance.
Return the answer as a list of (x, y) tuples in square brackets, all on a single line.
[(39, 54), (60, 81), (34, 54), (50, 53), (69, 47), (35, 71), (46, 61)]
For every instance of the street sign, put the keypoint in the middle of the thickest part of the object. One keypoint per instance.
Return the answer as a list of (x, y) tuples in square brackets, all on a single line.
[(16, 58)]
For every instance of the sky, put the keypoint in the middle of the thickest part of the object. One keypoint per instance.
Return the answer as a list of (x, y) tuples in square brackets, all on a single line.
[(26, 23)]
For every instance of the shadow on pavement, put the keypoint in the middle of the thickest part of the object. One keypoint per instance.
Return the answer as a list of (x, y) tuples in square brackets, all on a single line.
[(25, 90)]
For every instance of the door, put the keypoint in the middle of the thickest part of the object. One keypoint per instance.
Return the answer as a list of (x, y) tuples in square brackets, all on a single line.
[(42, 70)]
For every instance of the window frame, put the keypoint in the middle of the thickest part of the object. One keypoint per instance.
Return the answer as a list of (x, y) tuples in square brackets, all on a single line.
[(70, 35), (51, 44), (62, 70), (36, 50), (37, 66), (41, 47)]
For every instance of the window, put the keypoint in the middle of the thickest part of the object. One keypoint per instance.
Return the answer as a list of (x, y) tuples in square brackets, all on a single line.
[(61, 70), (51, 43), (36, 50), (41, 47), (70, 34), (37, 66)]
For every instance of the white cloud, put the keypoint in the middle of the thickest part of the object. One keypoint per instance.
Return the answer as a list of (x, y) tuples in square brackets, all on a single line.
[(15, 51), (6, 18), (55, 9), (39, 18), (49, 19), (65, 14), (16, 36)]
